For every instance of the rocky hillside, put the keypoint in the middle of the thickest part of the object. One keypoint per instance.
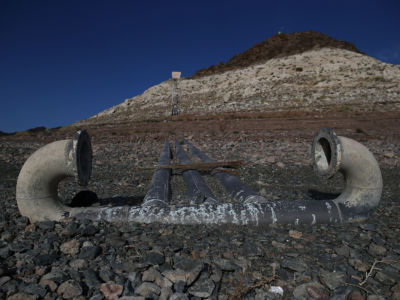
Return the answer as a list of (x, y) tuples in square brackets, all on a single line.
[(318, 79), (278, 46)]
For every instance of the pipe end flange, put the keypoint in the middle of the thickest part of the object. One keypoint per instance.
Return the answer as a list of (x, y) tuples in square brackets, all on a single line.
[(326, 153), (82, 157)]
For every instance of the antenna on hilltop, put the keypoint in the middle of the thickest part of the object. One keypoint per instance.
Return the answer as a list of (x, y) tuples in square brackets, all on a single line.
[(174, 108)]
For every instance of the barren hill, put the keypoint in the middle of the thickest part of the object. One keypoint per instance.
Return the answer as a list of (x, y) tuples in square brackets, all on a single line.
[(278, 46), (322, 78)]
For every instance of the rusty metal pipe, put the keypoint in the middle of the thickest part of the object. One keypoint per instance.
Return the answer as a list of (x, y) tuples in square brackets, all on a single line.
[(159, 191), (236, 189), (196, 188), (280, 212)]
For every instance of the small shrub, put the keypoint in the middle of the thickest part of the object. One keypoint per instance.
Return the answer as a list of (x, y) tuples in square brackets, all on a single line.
[(345, 108), (359, 130), (380, 79)]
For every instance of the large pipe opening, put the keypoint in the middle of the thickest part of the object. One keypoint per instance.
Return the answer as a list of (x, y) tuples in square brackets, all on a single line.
[(361, 172), (37, 185), (323, 154)]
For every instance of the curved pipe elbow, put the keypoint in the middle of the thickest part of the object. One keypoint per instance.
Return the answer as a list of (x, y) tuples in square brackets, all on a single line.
[(362, 175), (37, 185)]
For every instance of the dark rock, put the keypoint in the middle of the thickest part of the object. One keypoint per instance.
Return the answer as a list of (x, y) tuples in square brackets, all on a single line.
[(4, 252), (147, 288), (70, 289), (178, 296), (376, 250), (10, 287), (90, 252), (23, 221), (98, 296), (20, 246), (344, 292), (155, 258), (202, 288), (89, 230), (4, 279), (55, 275), (332, 279), (387, 276), (132, 267), (367, 226), (72, 228), (187, 270), (180, 286), (23, 296), (46, 225), (150, 275), (91, 278), (165, 294), (115, 241), (297, 265), (307, 290), (251, 249), (106, 275), (343, 251), (226, 264), (45, 259), (33, 289), (128, 289)]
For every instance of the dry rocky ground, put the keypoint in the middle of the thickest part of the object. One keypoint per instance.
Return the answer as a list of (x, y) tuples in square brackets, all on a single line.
[(268, 112), (93, 260)]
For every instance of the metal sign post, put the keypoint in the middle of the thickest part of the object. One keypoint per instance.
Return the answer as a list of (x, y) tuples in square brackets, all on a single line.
[(174, 109)]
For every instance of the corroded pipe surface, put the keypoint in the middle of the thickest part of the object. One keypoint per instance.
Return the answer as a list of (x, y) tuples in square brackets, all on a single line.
[(236, 189), (280, 212), (159, 191), (196, 188)]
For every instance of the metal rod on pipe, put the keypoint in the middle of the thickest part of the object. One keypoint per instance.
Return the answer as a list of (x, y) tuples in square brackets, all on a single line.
[(197, 189), (237, 189), (159, 191)]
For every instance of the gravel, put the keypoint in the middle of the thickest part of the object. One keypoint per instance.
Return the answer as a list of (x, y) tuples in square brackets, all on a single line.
[(98, 260)]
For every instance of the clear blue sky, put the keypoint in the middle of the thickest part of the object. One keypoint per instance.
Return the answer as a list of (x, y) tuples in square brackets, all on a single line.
[(65, 60)]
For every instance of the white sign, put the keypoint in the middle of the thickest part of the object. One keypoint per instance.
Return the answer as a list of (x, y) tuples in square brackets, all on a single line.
[(176, 75)]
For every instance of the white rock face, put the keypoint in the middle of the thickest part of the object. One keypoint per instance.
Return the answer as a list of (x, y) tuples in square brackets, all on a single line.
[(310, 81)]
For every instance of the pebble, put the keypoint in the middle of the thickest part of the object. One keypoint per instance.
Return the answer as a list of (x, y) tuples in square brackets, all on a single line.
[(23, 296), (312, 289), (297, 265), (147, 288), (376, 250), (71, 247), (332, 279), (111, 291), (202, 288), (155, 258), (70, 289), (295, 234), (90, 252)]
